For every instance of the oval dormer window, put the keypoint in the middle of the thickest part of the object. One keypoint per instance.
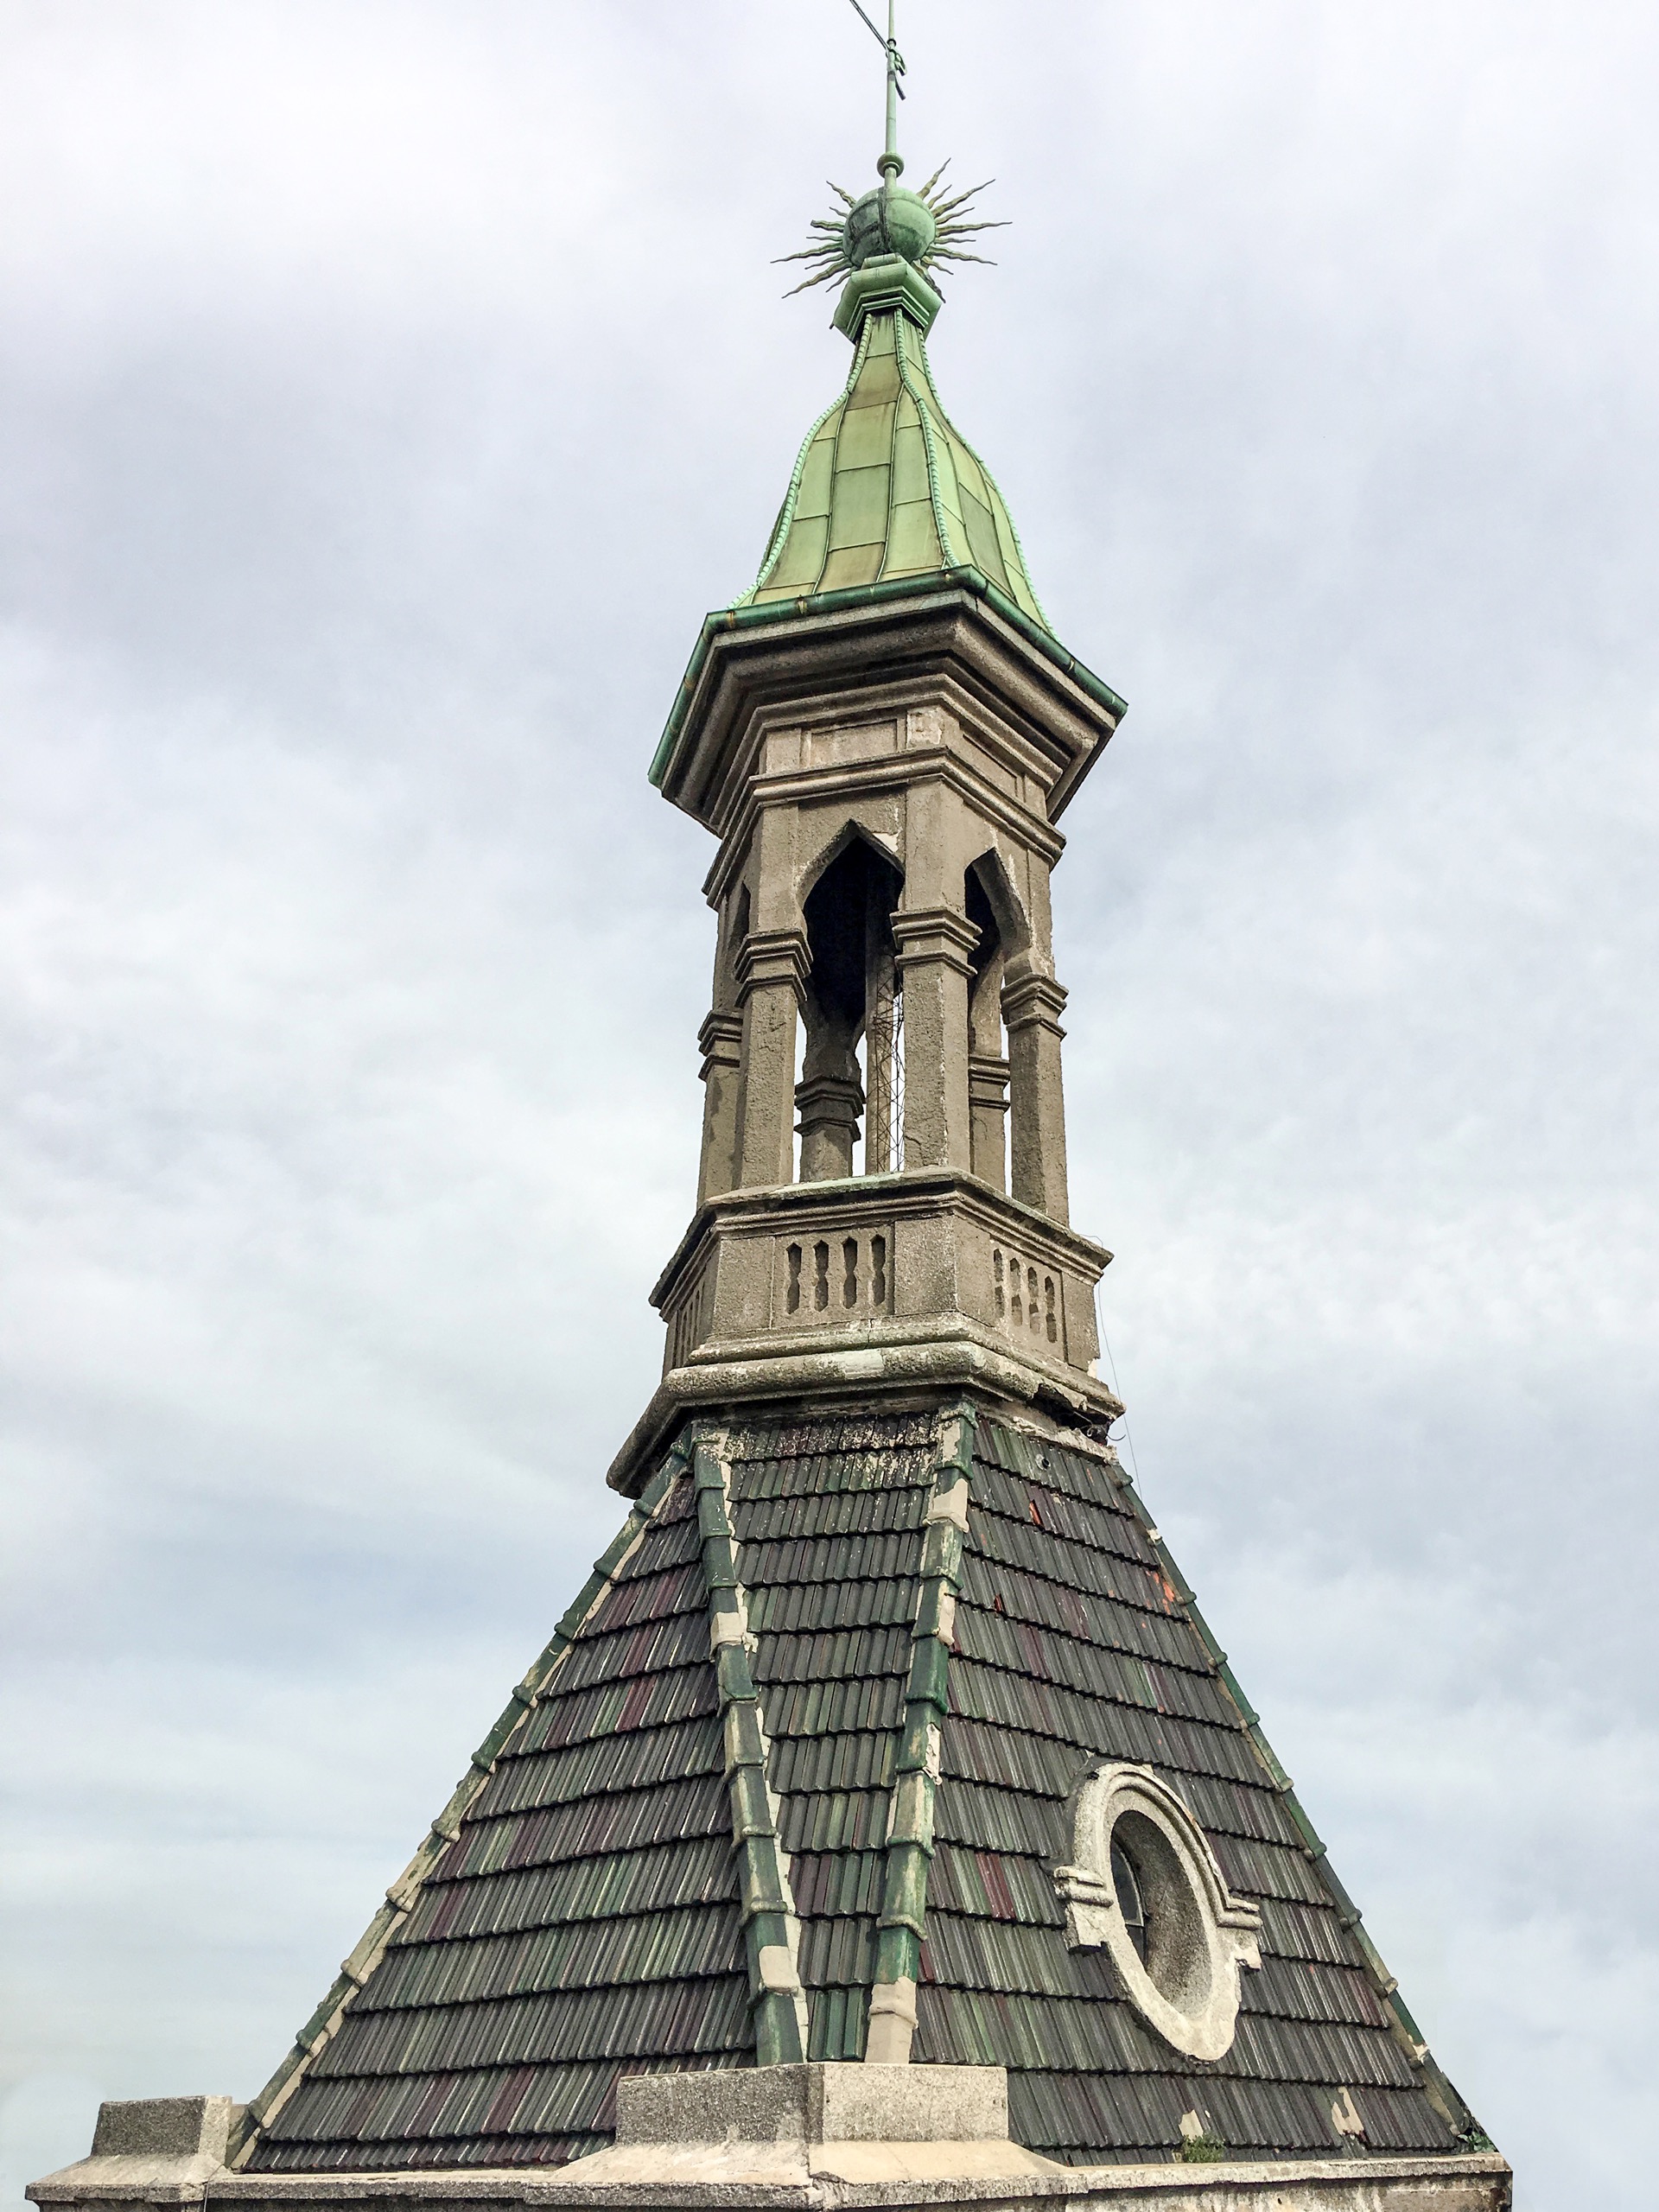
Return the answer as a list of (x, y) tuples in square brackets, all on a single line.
[(1145, 1887)]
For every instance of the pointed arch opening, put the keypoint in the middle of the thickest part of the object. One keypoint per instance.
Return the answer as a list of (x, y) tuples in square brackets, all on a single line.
[(846, 1096), (991, 906), (990, 872)]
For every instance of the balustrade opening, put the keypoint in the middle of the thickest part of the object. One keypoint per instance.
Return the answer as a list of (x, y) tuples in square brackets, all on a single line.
[(849, 1276)]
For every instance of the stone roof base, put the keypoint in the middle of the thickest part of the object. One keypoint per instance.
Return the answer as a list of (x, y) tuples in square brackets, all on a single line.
[(819, 2137)]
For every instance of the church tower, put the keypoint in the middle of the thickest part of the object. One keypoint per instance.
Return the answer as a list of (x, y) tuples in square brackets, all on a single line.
[(883, 1814)]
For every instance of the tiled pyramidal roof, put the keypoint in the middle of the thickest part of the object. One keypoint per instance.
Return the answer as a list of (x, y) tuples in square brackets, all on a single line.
[(575, 1913)]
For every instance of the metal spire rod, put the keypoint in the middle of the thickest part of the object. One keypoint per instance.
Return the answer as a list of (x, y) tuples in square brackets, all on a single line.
[(891, 163)]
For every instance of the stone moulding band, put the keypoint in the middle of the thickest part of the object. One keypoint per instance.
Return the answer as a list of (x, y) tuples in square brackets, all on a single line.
[(934, 1361), (798, 2164), (868, 778), (401, 1898), (903, 1920), (770, 1929), (963, 576)]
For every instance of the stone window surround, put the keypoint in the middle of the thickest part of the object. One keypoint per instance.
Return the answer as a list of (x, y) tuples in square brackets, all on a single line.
[(1193, 2004)]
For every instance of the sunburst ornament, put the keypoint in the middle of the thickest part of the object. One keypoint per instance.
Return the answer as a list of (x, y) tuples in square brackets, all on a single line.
[(925, 228)]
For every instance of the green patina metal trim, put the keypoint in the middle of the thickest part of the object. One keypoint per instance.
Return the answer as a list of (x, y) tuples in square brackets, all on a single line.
[(791, 496), (1013, 527), (771, 1931), (401, 1898), (929, 447), (963, 575), (1440, 2092), (903, 1920), (887, 285)]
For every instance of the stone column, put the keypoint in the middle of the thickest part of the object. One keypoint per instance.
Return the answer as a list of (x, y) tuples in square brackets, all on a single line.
[(1032, 1004), (772, 969), (721, 1042), (828, 1106), (932, 948), (987, 1109)]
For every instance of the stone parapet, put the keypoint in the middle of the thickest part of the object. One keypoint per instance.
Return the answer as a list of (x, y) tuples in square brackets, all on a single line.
[(871, 1268), (815, 2103), (162, 2150), (817, 2136), (850, 1258)]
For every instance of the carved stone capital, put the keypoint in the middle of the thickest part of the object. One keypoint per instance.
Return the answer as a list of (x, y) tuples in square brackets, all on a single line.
[(829, 1106), (769, 957), (1032, 998), (721, 1042), (933, 935), (987, 1083), (838, 1099)]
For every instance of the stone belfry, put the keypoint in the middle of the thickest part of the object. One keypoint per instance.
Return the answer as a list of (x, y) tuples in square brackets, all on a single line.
[(882, 734), (882, 1823)]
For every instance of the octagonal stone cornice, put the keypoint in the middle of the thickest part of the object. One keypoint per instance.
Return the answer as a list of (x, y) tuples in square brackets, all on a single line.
[(818, 659)]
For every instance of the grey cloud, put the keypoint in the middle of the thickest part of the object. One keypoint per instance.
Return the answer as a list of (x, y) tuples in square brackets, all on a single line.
[(392, 389)]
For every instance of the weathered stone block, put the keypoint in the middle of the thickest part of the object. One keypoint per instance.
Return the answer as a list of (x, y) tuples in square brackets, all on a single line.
[(815, 2103), (176, 2128)]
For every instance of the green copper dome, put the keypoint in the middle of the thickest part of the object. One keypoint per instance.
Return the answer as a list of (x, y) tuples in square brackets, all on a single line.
[(886, 487)]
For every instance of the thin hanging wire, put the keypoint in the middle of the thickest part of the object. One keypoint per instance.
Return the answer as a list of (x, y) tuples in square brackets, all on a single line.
[(896, 1141), (891, 163), (889, 45), (1106, 1346)]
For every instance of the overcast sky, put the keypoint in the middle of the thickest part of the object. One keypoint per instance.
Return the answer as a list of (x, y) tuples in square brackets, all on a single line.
[(389, 386)]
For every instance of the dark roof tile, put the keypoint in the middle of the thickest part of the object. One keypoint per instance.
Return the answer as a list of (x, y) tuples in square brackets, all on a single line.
[(584, 1920), (838, 1953), (694, 1870), (617, 1821), (878, 1557), (838, 1881), (834, 1655), (848, 1820), (837, 2018), (642, 1758), (613, 1708)]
